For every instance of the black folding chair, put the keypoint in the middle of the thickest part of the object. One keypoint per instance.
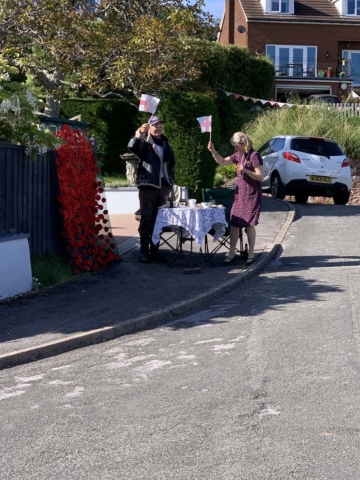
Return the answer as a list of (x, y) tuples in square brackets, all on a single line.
[(225, 197), (163, 239)]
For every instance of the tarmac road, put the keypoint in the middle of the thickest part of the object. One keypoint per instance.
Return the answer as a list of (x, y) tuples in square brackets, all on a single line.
[(128, 296), (262, 384)]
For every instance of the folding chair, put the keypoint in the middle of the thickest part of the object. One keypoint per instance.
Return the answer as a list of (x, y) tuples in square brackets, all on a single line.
[(162, 238), (225, 197), (177, 193)]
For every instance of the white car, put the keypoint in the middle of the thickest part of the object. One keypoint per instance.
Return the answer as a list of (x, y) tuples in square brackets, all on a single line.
[(306, 166)]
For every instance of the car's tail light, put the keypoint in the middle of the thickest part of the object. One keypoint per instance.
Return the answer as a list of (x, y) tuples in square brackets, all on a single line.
[(291, 156), (345, 163)]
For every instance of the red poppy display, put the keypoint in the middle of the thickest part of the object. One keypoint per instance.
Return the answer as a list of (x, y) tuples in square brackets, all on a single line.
[(87, 239)]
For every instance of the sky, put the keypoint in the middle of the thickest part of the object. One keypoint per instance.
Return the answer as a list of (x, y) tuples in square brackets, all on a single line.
[(215, 7)]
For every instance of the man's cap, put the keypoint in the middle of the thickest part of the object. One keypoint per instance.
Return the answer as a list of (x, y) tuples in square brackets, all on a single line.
[(155, 120)]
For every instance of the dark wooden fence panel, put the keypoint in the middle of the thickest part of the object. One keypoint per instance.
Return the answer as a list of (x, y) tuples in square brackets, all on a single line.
[(28, 198)]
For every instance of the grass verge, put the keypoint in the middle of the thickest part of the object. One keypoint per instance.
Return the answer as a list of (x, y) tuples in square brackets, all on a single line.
[(115, 180), (50, 269)]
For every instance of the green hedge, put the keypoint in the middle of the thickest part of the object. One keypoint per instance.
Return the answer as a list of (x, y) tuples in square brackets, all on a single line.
[(233, 69), (232, 118), (195, 166), (112, 122)]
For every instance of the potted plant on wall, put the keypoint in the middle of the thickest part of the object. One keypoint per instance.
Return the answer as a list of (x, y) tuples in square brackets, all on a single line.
[(329, 72)]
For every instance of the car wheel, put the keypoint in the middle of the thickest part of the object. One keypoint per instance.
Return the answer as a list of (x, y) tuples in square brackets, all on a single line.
[(341, 198), (301, 198), (277, 187)]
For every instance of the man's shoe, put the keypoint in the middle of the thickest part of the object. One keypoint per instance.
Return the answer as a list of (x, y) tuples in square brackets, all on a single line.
[(144, 258)]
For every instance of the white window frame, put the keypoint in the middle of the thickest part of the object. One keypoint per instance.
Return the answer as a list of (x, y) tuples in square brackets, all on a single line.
[(266, 4), (357, 5), (343, 8), (280, 5), (349, 70), (291, 61)]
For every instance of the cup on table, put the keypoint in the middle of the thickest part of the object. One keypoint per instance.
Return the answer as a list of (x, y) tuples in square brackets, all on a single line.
[(192, 202)]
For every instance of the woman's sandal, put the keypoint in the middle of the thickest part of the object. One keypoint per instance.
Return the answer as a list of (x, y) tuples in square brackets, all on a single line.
[(250, 260), (229, 259)]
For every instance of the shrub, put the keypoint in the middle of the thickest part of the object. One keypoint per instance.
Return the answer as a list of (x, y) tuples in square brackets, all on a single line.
[(233, 69), (194, 166), (313, 120), (112, 122)]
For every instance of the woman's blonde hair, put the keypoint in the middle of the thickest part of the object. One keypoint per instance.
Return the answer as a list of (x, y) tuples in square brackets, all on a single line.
[(239, 138)]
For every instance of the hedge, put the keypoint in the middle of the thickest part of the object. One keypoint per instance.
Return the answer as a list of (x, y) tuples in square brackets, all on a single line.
[(112, 122), (234, 70), (195, 166)]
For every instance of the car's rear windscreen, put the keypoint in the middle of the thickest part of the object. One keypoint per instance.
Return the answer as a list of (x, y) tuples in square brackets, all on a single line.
[(316, 146)]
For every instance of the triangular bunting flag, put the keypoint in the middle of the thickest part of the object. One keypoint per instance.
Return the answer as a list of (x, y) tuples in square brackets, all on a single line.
[(245, 98)]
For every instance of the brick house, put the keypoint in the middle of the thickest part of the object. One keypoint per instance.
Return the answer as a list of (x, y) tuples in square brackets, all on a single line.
[(313, 44)]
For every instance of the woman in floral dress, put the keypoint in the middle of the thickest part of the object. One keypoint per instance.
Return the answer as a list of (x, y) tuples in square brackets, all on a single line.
[(246, 208)]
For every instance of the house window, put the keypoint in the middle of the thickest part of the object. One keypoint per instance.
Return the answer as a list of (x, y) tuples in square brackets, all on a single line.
[(353, 7), (281, 6), (293, 60), (351, 65)]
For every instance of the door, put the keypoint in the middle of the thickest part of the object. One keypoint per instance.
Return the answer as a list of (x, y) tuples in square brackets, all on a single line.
[(274, 156), (353, 67), (263, 151)]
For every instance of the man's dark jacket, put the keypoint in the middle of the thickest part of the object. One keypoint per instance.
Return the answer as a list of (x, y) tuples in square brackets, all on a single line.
[(150, 163)]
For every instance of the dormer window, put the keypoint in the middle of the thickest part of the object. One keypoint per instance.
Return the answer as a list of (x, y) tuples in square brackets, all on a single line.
[(353, 7), (279, 7), (282, 6)]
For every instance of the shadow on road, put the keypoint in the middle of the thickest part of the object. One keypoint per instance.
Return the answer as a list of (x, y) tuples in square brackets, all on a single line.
[(317, 210), (271, 295)]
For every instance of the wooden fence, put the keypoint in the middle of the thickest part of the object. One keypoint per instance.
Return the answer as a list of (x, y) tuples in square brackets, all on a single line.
[(348, 109), (28, 198)]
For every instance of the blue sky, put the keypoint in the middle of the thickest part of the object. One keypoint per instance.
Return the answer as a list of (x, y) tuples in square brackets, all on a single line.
[(215, 7)]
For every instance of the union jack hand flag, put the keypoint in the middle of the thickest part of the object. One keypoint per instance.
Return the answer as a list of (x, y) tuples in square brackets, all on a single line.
[(205, 123), (148, 103)]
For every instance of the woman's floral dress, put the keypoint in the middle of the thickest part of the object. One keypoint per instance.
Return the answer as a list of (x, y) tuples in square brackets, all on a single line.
[(245, 210)]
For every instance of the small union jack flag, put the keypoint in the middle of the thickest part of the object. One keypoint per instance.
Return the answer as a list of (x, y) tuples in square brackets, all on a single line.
[(205, 123), (148, 103)]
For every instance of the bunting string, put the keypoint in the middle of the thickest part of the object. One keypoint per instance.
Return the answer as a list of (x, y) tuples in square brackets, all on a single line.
[(255, 100)]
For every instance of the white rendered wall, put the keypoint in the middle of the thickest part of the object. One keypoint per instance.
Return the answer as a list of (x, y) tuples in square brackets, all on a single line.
[(15, 266), (122, 200), (126, 199)]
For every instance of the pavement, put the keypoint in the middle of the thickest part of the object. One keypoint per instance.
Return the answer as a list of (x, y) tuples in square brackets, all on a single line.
[(130, 296)]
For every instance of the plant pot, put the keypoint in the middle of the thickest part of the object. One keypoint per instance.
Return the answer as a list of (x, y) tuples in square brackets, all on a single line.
[(329, 73)]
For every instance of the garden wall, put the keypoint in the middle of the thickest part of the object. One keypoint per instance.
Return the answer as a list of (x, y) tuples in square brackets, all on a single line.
[(355, 191)]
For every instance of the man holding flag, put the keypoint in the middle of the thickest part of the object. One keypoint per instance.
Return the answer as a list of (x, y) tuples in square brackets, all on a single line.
[(156, 177)]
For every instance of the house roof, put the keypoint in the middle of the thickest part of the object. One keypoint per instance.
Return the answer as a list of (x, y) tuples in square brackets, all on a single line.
[(309, 11)]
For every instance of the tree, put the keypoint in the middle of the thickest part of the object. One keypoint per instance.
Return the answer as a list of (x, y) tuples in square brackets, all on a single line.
[(133, 46), (18, 122)]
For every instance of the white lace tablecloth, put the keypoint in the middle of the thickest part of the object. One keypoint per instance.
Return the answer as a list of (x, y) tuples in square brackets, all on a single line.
[(195, 222)]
